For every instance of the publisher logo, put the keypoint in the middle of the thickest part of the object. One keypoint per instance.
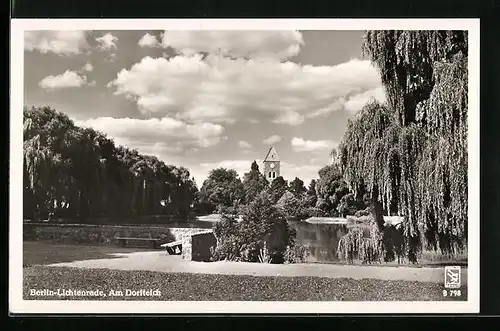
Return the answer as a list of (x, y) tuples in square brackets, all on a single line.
[(452, 277)]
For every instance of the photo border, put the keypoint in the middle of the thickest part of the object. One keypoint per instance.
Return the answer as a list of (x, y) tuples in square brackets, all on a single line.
[(18, 305)]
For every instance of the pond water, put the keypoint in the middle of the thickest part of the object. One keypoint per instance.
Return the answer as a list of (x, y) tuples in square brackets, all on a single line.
[(321, 237)]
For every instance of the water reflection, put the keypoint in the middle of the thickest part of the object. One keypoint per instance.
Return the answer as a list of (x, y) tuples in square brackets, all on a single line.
[(323, 239)]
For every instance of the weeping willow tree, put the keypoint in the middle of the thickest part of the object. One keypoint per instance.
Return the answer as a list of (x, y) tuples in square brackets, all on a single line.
[(411, 152)]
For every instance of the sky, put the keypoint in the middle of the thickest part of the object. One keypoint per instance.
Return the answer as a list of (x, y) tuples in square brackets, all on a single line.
[(207, 99)]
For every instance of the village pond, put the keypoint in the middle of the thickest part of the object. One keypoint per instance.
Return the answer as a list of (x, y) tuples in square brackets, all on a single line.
[(321, 237)]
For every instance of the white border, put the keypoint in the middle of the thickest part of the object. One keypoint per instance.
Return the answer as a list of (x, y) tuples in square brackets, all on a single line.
[(18, 305)]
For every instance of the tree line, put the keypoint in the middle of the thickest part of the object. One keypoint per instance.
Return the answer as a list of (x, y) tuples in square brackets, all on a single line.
[(329, 195), (76, 172)]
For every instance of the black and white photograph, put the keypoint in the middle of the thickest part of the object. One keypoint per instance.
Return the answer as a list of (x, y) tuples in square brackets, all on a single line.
[(218, 166)]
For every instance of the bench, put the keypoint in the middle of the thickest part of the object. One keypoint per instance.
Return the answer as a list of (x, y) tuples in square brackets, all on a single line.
[(173, 248), (150, 242)]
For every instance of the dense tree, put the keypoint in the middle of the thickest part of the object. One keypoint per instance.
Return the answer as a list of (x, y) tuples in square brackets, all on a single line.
[(223, 187), (347, 205), (278, 187), (297, 188), (330, 188), (412, 152), (311, 195), (254, 182), (289, 205), (263, 223), (262, 235), (71, 171)]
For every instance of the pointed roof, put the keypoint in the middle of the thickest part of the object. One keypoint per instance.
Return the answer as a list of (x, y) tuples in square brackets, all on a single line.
[(272, 155)]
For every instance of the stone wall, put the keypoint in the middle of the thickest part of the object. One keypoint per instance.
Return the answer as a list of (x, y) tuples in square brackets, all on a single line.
[(101, 234)]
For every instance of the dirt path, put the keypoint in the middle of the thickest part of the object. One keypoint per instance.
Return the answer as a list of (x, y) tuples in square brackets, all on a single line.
[(159, 261)]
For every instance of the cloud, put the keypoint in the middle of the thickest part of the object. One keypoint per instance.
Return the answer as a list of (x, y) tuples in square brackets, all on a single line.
[(107, 42), (88, 67), (159, 137), (58, 42), (357, 101), (148, 40), (270, 45), (272, 140), (291, 118), (201, 171), (68, 79), (305, 172), (334, 106), (244, 144), (222, 90), (301, 145)]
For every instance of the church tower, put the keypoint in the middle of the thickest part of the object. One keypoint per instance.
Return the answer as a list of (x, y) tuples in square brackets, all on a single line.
[(272, 165)]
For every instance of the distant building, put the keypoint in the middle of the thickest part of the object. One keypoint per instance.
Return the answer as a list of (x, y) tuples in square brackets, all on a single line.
[(272, 164)]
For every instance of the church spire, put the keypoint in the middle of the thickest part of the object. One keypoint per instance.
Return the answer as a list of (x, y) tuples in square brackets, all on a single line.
[(272, 155)]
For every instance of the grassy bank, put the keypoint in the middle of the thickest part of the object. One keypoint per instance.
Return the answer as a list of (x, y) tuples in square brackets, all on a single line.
[(204, 287)]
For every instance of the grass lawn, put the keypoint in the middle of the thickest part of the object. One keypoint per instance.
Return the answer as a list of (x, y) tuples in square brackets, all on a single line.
[(35, 252), (202, 287)]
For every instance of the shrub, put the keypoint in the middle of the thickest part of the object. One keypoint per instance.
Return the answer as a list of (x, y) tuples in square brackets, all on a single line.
[(387, 245), (308, 212), (363, 212), (296, 253), (262, 235), (228, 244), (367, 220)]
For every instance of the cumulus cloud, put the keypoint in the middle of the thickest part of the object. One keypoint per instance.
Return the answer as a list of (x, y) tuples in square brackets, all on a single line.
[(58, 42), (270, 45), (148, 40), (157, 136), (357, 101), (88, 67), (68, 79), (301, 145), (244, 144), (107, 42), (272, 140), (305, 172), (222, 90)]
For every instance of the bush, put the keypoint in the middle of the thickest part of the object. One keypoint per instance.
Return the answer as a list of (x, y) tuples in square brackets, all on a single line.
[(368, 219), (310, 212), (376, 246), (228, 245), (356, 246), (296, 253), (363, 212), (262, 235)]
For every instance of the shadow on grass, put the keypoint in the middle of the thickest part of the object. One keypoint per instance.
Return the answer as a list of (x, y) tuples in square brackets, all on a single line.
[(43, 253)]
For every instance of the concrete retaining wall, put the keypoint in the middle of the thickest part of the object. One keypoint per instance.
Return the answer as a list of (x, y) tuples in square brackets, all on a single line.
[(196, 247), (101, 234)]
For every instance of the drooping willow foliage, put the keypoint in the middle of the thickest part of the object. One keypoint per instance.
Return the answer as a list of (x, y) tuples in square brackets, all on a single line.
[(74, 172), (411, 153)]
